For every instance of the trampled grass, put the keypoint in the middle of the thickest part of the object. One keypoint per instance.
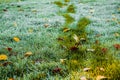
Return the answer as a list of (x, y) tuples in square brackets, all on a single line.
[(29, 37)]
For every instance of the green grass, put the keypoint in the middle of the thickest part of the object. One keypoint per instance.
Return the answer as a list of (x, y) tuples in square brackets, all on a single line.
[(27, 19)]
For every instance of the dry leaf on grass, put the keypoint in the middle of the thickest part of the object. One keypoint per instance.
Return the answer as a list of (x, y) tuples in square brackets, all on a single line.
[(16, 39), (28, 54), (83, 78), (99, 77), (62, 60), (11, 79), (116, 34), (86, 69), (117, 46), (9, 49), (76, 38), (3, 57), (66, 29), (90, 50)]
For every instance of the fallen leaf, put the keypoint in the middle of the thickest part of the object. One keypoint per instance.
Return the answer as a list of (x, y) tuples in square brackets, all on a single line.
[(82, 39), (16, 39), (6, 63), (3, 57), (117, 46), (62, 60), (83, 78), (74, 48), (104, 50), (66, 29), (28, 54), (46, 25), (11, 79), (86, 69), (76, 38), (60, 39), (56, 70), (99, 77), (102, 69), (90, 50), (9, 49), (116, 34), (97, 42)]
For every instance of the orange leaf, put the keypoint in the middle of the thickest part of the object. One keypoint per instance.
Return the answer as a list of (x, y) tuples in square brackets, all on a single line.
[(11, 79), (117, 46)]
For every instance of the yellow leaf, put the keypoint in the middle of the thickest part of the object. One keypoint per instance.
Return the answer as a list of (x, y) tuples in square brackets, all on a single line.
[(11, 79), (76, 38), (16, 39), (28, 53), (62, 60), (3, 57), (102, 69), (99, 77), (66, 29), (117, 34), (91, 50)]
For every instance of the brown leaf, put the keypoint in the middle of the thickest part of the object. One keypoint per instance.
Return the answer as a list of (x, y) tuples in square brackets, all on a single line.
[(97, 42), (117, 46), (60, 39), (46, 25), (6, 63), (66, 29), (56, 70), (104, 50), (9, 49), (74, 48)]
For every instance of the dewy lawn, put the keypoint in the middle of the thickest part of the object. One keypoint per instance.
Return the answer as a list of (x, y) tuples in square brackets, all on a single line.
[(59, 39)]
